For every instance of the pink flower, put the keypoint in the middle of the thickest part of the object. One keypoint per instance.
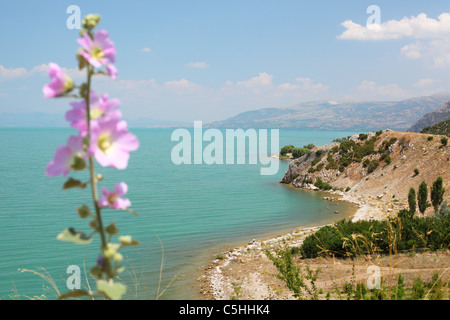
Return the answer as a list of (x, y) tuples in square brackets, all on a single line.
[(60, 83), (113, 199), (99, 51), (111, 143), (67, 158), (99, 107)]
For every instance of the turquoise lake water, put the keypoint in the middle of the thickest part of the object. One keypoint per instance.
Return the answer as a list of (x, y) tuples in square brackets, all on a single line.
[(196, 210)]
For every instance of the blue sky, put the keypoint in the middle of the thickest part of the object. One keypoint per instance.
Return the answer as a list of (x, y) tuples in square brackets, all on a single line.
[(209, 60)]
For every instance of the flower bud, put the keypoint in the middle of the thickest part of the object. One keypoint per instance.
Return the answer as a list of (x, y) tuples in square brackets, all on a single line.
[(91, 21), (84, 211)]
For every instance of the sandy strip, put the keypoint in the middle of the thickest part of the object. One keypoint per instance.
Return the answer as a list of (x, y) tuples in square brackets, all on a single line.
[(241, 273)]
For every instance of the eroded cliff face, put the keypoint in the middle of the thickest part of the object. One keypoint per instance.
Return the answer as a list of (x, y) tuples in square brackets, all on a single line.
[(377, 166)]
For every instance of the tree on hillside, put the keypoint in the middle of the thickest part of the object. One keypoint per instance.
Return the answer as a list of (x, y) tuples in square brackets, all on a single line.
[(286, 149), (437, 193), (412, 201), (299, 152), (422, 197)]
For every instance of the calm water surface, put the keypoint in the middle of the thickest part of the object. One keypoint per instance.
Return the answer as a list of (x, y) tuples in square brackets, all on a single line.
[(196, 211)]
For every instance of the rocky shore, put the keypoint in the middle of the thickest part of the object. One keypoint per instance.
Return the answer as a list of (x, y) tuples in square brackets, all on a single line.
[(246, 272)]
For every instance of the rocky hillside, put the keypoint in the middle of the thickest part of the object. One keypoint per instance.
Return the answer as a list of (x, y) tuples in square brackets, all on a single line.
[(432, 118), (441, 128), (329, 115), (377, 167)]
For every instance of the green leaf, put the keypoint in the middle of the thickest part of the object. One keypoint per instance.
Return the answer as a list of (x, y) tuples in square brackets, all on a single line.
[(75, 294), (77, 237), (113, 290), (84, 211), (81, 61), (73, 183)]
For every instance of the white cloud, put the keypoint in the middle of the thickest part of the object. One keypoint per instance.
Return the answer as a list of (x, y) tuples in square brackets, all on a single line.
[(436, 52), (198, 65), (185, 100), (304, 84), (424, 83), (420, 27), (369, 90), (180, 84), (42, 70), (263, 79), (146, 50), (431, 36), (12, 73)]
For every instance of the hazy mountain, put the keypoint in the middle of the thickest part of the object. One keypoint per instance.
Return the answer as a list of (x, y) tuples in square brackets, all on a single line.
[(51, 120), (32, 119), (432, 118), (329, 115)]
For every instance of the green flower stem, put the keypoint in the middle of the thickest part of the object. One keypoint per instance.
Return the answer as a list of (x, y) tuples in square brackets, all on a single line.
[(93, 178)]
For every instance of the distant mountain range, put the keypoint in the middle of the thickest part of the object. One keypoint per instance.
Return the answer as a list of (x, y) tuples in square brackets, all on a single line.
[(432, 118), (329, 115), (51, 120), (316, 115)]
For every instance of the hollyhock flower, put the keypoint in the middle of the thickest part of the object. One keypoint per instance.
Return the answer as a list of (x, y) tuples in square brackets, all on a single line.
[(67, 158), (114, 199), (111, 143), (99, 107), (99, 51), (59, 84)]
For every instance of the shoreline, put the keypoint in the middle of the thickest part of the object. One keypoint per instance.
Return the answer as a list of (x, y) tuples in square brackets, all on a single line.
[(218, 280)]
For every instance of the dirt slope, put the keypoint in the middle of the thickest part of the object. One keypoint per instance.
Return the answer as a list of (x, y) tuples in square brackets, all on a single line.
[(390, 182)]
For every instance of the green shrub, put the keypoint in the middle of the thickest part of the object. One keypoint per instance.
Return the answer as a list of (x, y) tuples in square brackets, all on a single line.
[(316, 161), (298, 279), (360, 291), (372, 166), (299, 152), (322, 185), (320, 166), (430, 138), (416, 171), (398, 291), (366, 163), (444, 141), (418, 289), (436, 286), (374, 236), (286, 149)]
